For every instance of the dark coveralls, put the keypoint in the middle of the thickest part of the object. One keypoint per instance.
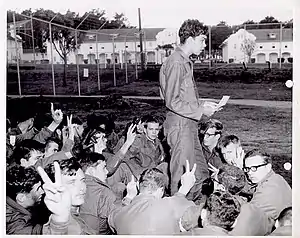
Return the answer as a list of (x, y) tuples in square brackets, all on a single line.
[(184, 110)]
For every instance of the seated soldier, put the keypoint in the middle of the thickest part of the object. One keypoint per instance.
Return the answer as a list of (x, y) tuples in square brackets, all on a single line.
[(139, 122), (209, 135), (100, 200), (65, 190), (23, 192), (27, 153), (272, 194), (231, 150), (284, 223), (218, 215), (149, 213)]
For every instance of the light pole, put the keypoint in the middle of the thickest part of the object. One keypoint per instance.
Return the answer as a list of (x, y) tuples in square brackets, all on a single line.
[(17, 53)]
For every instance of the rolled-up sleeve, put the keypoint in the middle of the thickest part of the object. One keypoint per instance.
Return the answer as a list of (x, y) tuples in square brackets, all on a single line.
[(174, 101)]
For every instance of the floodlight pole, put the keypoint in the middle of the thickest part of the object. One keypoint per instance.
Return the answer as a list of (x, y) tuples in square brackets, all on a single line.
[(17, 53), (136, 67), (141, 40), (51, 50), (209, 45)]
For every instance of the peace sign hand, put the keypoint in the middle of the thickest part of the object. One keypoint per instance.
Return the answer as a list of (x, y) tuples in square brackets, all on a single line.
[(131, 134), (57, 115), (58, 198), (214, 171), (70, 127), (188, 179)]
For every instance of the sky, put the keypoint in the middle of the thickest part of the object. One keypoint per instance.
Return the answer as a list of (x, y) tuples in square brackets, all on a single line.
[(170, 13)]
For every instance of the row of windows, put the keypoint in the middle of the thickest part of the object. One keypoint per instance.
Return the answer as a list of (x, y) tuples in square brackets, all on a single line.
[(91, 47), (262, 46)]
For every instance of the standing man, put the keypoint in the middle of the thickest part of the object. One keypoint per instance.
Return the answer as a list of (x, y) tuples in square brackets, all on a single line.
[(184, 110)]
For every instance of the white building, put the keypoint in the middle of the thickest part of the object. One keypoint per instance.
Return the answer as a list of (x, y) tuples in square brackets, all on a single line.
[(126, 40), (267, 46), (11, 50)]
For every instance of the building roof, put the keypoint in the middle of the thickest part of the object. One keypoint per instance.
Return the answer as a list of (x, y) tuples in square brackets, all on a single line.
[(123, 34), (263, 35)]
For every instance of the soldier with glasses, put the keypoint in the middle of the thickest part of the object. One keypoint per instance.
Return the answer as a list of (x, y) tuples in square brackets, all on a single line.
[(271, 196)]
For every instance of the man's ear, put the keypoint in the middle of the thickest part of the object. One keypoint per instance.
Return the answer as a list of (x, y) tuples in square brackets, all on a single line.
[(20, 198), (24, 162)]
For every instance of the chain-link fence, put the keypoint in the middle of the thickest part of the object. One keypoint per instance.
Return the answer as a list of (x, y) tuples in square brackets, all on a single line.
[(51, 57), (61, 60)]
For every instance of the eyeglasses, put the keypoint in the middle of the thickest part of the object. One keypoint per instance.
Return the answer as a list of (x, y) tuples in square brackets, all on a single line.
[(209, 135), (253, 168)]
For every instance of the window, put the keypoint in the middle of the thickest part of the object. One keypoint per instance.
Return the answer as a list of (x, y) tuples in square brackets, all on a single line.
[(102, 47), (272, 35), (126, 46), (285, 46), (91, 47), (261, 47), (138, 45), (273, 46), (150, 44)]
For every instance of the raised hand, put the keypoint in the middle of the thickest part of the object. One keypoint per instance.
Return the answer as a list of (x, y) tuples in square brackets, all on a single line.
[(71, 128), (188, 179), (131, 134), (131, 188), (214, 171), (57, 115), (57, 197)]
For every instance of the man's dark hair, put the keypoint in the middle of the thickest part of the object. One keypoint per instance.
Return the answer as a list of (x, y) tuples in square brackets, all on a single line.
[(285, 216), (191, 28), (53, 140), (226, 140), (223, 209), (232, 178), (151, 119), (23, 149), (152, 179), (211, 123), (67, 167), (91, 160), (20, 180), (257, 152)]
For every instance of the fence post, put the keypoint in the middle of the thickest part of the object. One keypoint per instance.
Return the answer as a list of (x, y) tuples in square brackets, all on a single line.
[(77, 65), (114, 61), (125, 59), (98, 75), (17, 53), (33, 48), (51, 49), (136, 70), (209, 45), (280, 46)]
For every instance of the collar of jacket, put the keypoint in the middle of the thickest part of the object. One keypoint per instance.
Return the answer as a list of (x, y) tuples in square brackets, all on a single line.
[(93, 179), (184, 55), (216, 228), (144, 197), (17, 206), (271, 173)]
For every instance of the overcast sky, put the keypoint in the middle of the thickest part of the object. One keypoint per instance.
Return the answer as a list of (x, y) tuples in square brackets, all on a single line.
[(167, 13)]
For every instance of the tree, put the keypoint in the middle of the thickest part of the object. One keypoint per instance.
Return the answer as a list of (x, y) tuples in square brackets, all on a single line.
[(63, 39), (166, 40), (119, 21), (250, 25), (268, 20), (248, 47), (219, 33)]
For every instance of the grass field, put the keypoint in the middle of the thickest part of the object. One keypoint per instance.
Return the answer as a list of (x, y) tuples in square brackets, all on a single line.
[(267, 128), (261, 84)]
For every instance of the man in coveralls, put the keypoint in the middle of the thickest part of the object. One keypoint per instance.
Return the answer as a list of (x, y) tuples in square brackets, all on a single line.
[(184, 109)]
